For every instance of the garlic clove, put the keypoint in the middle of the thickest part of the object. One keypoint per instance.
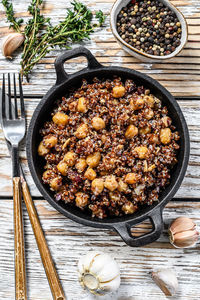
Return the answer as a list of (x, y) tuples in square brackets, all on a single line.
[(111, 285), (86, 261), (183, 233), (166, 280), (186, 239), (11, 42), (177, 224), (100, 263), (108, 272)]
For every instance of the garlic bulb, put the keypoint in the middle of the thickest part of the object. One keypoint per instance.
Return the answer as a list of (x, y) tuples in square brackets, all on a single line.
[(11, 42), (99, 273), (166, 280), (183, 233)]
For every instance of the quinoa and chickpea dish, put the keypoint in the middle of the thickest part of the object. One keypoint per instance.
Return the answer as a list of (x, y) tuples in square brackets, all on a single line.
[(108, 148)]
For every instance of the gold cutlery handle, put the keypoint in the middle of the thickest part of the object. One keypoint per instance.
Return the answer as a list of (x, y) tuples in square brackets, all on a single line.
[(52, 276), (20, 271)]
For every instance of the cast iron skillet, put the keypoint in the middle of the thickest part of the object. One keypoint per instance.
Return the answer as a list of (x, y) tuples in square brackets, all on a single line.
[(65, 82)]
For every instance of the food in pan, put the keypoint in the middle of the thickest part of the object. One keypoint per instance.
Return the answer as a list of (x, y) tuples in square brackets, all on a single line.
[(108, 148)]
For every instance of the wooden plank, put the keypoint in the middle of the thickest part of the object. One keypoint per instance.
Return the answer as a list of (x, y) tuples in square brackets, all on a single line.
[(68, 241), (109, 52)]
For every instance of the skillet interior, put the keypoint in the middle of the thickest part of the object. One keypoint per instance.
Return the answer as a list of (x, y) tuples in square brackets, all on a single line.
[(42, 113)]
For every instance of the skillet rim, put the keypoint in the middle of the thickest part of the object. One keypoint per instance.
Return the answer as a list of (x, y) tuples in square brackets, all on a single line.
[(109, 223)]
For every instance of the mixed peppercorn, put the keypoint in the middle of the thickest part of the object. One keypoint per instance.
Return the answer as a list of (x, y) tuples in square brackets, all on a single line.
[(108, 148), (150, 27)]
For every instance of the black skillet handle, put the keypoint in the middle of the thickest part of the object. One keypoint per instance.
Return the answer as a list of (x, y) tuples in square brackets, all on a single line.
[(80, 51), (124, 230)]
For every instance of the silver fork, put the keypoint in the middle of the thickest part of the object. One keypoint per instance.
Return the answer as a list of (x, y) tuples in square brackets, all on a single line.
[(14, 129)]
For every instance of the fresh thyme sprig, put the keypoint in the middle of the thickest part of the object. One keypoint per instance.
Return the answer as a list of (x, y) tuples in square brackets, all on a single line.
[(76, 27), (14, 23), (32, 30), (41, 37)]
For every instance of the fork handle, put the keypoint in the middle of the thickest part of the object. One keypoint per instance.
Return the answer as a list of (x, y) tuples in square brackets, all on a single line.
[(20, 271), (51, 273)]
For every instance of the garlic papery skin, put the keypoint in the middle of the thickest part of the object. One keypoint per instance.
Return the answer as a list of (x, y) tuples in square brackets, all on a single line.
[(99, 273), (166, 280), (183, 233), (11, 42)]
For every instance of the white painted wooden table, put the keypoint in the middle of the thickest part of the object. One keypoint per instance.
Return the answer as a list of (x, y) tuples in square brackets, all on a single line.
[(68, 240)]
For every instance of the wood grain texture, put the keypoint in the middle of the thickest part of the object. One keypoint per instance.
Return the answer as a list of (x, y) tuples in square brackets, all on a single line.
[(20, 271), (68, 241), (49, 267), (185, 81)]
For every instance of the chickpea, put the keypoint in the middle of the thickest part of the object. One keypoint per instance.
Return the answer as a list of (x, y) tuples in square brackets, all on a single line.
[(93, 159), (81, 131), (145, 130), (131, 178), (81, 164), (118, 91), (56, 183), (62, 168), (111, 183), (50, 141), (98, 123), (149, 114), (81, 199), (149, 100), (131, 131), (81, 107), (42, 150), (122, 186), (60, 118), (90, 174), (137, 103), (97, 186), (142, 152), (70, 158), (129, 208), (166, 121), (165, 136)]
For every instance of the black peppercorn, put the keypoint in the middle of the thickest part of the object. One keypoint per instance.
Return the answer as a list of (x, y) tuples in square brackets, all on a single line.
[(151, 39)]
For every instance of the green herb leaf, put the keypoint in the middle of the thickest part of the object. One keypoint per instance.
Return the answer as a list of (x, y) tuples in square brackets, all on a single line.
[(14, 23), (101, 18)]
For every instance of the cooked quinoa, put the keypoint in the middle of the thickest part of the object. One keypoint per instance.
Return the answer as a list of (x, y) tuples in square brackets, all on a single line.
[(109, 148)]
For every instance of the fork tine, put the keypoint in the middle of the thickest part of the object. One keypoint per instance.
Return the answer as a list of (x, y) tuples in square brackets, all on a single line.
[(15, 97), (3, 109), (9, 99), (21, 98)]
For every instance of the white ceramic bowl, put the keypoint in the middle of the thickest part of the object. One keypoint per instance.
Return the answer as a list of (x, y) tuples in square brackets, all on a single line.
[(137, 53)]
